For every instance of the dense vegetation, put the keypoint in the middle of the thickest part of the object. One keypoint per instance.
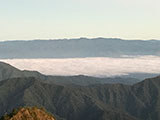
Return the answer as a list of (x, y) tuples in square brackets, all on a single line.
[(74, 102), (99, 102)]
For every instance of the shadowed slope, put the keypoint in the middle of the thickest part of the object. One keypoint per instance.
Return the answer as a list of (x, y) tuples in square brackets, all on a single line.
[(102, 102), (68, 102), (7, 71)]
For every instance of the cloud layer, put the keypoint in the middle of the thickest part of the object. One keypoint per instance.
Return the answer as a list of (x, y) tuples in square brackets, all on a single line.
[(90, 66)]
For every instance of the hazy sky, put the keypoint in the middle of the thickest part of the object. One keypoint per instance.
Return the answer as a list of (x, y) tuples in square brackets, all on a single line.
[(47, 19)]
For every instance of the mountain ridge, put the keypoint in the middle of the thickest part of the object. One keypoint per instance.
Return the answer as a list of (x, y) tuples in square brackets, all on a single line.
[(107, 101), (78, 48)]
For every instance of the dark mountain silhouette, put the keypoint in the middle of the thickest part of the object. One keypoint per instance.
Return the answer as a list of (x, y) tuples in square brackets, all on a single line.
[(95, 102), (83, 47), (68, 104), (7, 71)]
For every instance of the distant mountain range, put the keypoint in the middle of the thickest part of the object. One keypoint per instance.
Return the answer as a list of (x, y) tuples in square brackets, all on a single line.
[(83, 47)]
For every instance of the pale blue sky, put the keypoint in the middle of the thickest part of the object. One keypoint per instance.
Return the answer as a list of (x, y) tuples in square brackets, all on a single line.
[(51, 19)]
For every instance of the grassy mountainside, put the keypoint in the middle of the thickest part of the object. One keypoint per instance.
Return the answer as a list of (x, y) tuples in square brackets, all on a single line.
[(94, 102)]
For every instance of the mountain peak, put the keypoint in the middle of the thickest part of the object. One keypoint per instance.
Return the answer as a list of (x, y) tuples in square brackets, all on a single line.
[(28, 113)]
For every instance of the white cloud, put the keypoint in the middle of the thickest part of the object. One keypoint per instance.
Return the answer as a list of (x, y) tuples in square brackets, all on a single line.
[(89, 66)]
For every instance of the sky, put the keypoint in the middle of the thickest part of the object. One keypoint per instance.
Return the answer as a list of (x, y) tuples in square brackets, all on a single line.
[(53, 19)]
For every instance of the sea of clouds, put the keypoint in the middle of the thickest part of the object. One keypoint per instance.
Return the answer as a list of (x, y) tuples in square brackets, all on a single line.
[(90, 66)]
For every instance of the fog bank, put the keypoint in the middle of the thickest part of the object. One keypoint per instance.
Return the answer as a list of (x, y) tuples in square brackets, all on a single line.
[(101, 66)]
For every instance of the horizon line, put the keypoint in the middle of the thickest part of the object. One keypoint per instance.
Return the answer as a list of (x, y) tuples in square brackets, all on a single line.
[(77, 38)]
